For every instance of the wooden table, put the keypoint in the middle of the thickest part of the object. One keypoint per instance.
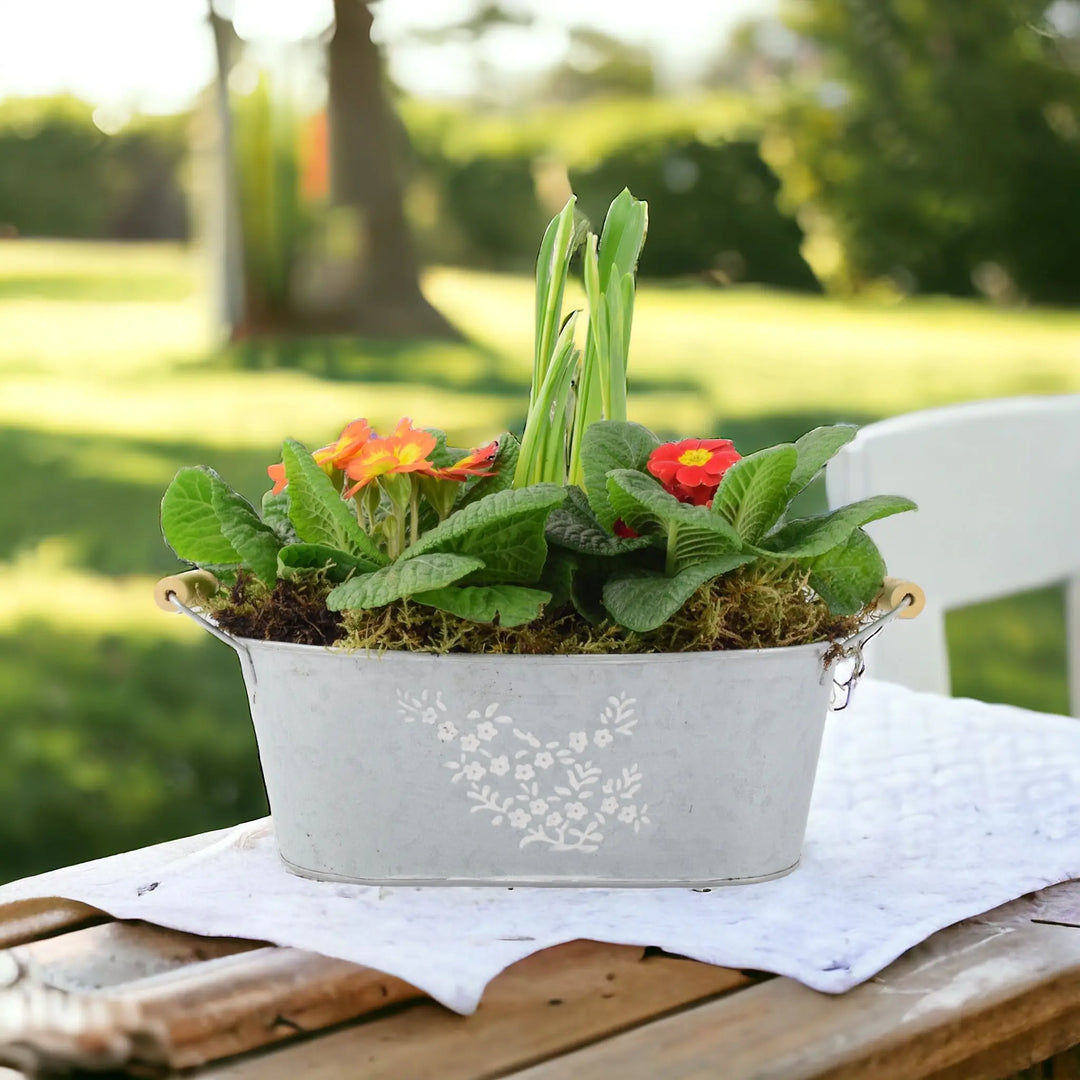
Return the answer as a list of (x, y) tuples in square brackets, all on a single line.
[(982, 999)]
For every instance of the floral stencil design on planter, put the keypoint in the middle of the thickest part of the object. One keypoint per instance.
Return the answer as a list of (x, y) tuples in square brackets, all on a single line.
[(554, 792)]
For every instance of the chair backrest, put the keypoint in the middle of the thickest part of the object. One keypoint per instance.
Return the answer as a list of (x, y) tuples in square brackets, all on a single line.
[(998, 488)]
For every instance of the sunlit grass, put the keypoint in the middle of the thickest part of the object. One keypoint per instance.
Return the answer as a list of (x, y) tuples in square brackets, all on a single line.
[(753, 351), (41, 587)]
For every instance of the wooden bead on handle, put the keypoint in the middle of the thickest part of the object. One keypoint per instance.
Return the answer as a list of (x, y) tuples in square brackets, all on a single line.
[(190, 588), (893, 591)]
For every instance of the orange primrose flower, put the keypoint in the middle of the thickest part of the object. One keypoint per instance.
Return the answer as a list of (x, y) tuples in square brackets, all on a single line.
[(475, 463), (350, 442), (406, 451), (277, 474)]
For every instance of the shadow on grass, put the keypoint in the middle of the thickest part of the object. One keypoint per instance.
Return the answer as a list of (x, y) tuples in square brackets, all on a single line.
[(467, 367), (102, 496), (1011, 650), (116, 742)]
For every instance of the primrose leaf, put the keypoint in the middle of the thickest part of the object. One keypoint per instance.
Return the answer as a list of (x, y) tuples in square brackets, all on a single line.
[(317, 511), (806, 537), (815, 449), (188, 520), (275, 513), (400, 579), (754, 491), (648, 509), (512, 604), (573, 526), (558, 577), (505, 530), (296, 560), (608, 445), (642, 600), (848, 576), (256, 543), (205, 522), (506, 458)]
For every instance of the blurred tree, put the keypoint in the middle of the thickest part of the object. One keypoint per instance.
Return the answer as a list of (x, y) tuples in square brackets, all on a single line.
[(62, 175), (224, 225), (759, 52), (942, 144), (598, 64), (365, 144)]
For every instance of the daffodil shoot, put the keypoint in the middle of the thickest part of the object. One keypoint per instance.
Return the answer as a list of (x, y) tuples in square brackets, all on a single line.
[(588, 533)]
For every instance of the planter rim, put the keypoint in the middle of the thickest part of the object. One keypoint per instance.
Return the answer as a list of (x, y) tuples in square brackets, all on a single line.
[(545, 658)]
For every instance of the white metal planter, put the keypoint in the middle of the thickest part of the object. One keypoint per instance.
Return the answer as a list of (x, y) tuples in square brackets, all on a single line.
[(691, 769)]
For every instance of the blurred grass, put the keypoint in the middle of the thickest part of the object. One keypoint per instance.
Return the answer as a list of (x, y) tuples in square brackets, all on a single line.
[(121, 725)]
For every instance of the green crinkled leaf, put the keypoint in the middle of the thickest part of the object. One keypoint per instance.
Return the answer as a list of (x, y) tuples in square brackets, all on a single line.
[(503, 466), (558, 577), (587, 589), (815, 449), (317, 511), (443, 455), (753, 493), (806, 537), (505, 530), (608, 445), (642, 601), (275, 513), (513, 604), (848, 576), (257, 544), (299, 559), (400, 579), (205, 522), (648, 509), (574, 526), (189, 522)]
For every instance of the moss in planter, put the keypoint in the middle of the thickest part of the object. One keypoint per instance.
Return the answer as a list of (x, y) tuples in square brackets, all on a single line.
[(750, 608)]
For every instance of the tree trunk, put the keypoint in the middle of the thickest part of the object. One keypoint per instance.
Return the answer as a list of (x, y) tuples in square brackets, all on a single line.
[(224, 231), (364, 145)]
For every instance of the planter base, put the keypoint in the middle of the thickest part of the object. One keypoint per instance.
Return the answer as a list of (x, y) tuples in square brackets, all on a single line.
[(511, 882)]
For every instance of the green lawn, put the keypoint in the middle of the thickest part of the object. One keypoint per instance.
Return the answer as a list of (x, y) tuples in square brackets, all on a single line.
[(123, 725)]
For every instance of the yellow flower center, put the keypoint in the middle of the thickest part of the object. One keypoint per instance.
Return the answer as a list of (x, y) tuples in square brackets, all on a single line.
[(695, 457)]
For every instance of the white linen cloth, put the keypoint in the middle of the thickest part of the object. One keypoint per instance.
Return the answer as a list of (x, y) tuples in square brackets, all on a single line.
[(927, 810)]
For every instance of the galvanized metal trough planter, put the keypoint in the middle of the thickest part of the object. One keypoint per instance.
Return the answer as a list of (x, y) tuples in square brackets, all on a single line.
[(690, 769)]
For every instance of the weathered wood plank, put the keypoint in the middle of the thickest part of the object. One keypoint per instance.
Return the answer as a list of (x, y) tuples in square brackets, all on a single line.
[(115, 953), (28, 920), (201, 998), (236, 1003), (976, 1001), (546, 1004)]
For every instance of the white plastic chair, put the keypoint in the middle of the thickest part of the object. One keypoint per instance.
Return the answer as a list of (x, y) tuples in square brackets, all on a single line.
[(998, 488)]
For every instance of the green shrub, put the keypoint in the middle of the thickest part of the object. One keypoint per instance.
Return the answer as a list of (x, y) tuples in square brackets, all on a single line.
[(712, 210), (712, 199), (63, 177)]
